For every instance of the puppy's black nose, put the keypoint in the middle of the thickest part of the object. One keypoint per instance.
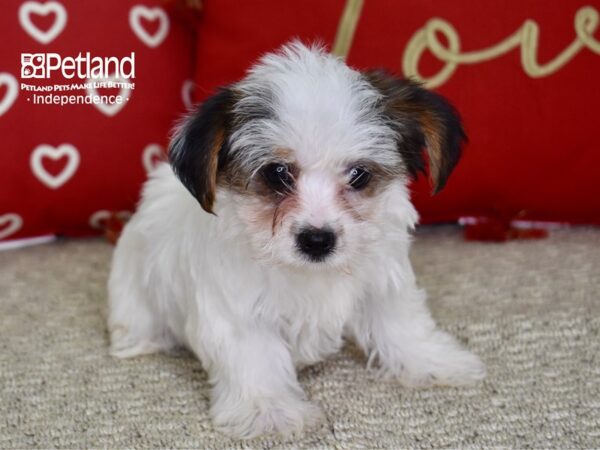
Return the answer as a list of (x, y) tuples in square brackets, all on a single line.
[(316, 243)]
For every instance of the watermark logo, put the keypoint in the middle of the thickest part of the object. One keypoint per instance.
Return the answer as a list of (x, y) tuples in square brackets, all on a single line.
[(84, 72), (82, 66)]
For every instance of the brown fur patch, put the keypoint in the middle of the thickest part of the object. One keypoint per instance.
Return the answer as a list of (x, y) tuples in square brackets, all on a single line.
[(433, 129), (283, 208), (423, 118), (208, 198), (284, 154), (234, 177), (274, 206), (380, 176)]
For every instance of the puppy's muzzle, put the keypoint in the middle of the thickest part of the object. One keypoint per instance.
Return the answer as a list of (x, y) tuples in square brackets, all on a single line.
[(316, 243)]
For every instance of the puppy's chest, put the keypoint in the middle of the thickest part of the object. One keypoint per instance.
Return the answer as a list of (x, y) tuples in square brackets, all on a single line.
[(312, 322), (311, 342)]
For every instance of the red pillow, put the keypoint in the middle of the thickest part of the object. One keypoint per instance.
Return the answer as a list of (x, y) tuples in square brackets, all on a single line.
[(533, 152), (65, 167)]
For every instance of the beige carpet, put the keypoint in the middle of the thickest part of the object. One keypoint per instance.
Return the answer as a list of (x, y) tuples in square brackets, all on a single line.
[(530, 309)]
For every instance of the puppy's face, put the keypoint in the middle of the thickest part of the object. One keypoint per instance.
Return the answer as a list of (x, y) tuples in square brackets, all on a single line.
[(313, 156)]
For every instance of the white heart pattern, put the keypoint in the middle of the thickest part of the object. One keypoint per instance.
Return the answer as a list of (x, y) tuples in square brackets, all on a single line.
[(47, 151), (139, 11), (102, 215), (186, 94), (153, 153), (9, 224), (12, 91), (109, 109), (43, 37)]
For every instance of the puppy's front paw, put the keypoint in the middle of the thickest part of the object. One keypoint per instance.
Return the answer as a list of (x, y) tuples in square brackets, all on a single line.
[(457, 367), (439, 360), (253, 417)]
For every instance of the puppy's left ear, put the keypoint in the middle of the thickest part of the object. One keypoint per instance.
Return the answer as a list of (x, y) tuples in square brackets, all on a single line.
[(199, 148), (421, 119)]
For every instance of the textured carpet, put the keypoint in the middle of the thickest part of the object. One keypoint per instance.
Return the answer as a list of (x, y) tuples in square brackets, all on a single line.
[(529, 309)]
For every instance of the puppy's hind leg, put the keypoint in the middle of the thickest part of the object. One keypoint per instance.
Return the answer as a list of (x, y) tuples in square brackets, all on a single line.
[(135, 327)]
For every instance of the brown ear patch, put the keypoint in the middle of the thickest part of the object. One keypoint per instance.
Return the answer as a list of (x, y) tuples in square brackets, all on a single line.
[(199, 149), (207, 197), (422, 119), (433, 130)]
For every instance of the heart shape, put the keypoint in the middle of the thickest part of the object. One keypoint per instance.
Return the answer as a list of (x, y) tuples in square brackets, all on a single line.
[(43, 37), (47, 151), (106, 108), (186, 94), (151, 14), (151, 156), (98, 219), (12, 91), (9, 224)]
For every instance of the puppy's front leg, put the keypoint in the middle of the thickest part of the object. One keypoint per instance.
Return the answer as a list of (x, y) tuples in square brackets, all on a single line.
[(396, 330), (255, 389)]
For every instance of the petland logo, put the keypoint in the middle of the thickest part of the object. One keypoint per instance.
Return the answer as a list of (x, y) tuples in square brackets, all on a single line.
[(85, 75), (45, 65)]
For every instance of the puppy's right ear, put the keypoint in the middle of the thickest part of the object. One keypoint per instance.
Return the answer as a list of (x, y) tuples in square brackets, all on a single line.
[(199, 148)]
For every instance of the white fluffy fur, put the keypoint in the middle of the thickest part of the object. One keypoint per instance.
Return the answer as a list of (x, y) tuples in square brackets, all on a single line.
[(241, 298)]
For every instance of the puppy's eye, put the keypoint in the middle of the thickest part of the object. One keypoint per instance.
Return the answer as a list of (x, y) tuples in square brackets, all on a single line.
[(359, 178), (278, 177)]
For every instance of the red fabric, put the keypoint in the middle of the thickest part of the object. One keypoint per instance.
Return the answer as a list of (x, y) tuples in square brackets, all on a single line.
[(110, 148), (499, 230), (533, 149)]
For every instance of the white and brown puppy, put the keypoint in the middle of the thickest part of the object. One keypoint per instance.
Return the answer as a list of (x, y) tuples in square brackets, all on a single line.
[(281, 227)]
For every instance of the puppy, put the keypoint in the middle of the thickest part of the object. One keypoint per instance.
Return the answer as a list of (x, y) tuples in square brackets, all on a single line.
[(282, 226)]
